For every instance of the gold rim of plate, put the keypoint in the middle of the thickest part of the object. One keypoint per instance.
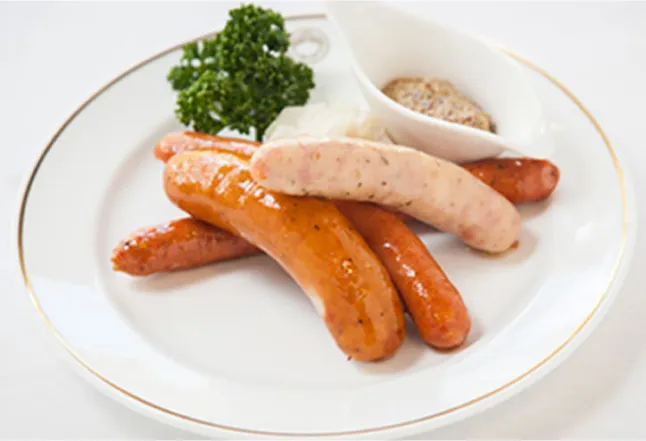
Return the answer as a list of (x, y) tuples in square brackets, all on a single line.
[(169, 412)]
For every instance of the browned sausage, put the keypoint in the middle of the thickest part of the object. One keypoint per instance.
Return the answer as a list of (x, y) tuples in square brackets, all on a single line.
[(177, 142), (433, 302), (179, 244), (308, 237), (183, 243), (437, 308), (520, 180), (435, 305)]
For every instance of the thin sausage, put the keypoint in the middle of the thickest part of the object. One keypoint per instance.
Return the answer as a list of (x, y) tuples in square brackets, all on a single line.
[(177, 245), (429, 189), (308, 237), (433, 302), (178, 142), (521, 180)]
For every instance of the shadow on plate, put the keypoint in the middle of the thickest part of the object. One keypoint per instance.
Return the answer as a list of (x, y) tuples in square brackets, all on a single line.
[(535, 209), (518, 253), (176, 280), (414, 348)]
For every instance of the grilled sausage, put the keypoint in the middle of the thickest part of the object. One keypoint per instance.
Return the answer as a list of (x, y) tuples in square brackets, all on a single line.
[(308, 237), (431, 299), (429, 189), (521, 180), (433, 302), (183, 243), (178, 142), (176, 245)]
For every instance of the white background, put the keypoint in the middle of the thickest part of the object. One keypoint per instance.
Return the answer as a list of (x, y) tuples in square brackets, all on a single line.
[(53, 56)]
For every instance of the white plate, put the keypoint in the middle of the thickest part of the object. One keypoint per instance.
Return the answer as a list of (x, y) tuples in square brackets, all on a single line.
[(235, 349)]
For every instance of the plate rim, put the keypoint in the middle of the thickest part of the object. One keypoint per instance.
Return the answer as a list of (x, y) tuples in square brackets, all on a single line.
[(498, 392)]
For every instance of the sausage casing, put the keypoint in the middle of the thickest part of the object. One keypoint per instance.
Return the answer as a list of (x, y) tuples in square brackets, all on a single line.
[(520, 180), (178, 142), (180, 244), (308, 237), (433, 302)]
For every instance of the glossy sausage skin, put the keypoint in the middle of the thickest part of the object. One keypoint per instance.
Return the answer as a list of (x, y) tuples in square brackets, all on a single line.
[(178, 142), (308, 237), (520, 180), (433, 302), (177, 245)]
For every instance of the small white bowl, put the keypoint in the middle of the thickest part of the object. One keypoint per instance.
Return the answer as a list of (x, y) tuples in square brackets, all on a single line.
[(387, 43)]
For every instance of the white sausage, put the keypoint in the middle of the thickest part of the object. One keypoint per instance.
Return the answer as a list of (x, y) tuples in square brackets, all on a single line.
[(430, 189)]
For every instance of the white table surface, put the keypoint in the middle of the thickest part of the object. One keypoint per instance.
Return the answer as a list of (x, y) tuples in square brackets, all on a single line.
[(53, 56)]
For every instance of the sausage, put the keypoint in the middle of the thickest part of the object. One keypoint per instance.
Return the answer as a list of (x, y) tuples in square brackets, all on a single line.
[(430, 189), (176, 245), (308, 237), (177, 142), (520, 180), (183, 243), (434, 304)]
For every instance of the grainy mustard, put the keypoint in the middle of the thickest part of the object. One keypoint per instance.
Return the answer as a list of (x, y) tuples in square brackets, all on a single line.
[(440, 99)]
